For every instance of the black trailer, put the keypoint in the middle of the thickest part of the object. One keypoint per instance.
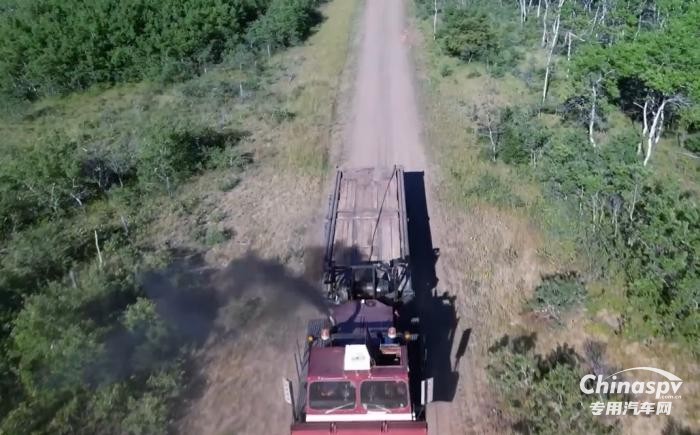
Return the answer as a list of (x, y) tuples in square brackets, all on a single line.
[(366, 243)]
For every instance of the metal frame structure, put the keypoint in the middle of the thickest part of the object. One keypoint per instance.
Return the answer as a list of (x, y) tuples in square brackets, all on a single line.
[(387, 279)]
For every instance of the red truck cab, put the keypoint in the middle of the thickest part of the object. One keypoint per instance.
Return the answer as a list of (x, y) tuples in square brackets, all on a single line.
[(357, 376), (336, 392)]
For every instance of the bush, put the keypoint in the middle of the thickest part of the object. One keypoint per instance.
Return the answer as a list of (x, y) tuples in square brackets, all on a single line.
[(558, 293), (165, 159), (490, 188), (57, 46), (63, 354), (522, 136), (229, 157), (54, 176), (212, 235), (659, 250), (446, 70), (468, 34), (93, 357), (148, 335), (542, 392), (44, 252), (149, 414), (229, 183), (41, 180), (171, 154), (692, 144), (286, 23), (50, 179)]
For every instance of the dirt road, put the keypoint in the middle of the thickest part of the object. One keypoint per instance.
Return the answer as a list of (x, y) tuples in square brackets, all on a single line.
[(236, 387), (384, 127)]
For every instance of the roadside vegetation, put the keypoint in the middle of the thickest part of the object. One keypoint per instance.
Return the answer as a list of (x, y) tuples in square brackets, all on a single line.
[(529, 381), (112, 113), (582, 117), (52, 46)]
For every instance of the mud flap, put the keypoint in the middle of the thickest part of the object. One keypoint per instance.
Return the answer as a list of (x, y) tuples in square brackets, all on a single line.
[(426, 391)]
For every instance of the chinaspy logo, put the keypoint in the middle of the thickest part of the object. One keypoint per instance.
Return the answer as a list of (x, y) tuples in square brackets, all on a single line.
[(610, 385), (666, 388)]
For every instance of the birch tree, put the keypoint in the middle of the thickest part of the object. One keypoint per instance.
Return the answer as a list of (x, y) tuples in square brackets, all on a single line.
[(486, 115), (651, 75), (544, 23), (552, 45), (523, 11), (435, 17), (658, 115), (595, 85)]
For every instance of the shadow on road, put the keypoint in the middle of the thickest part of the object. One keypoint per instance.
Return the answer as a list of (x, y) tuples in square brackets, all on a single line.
[(437, 310), (206, 307)]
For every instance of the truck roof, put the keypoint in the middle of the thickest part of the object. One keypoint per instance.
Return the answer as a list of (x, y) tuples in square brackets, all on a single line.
[(327, 363)]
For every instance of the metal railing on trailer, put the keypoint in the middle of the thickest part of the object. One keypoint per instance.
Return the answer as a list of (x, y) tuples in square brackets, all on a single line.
[(339, 277)]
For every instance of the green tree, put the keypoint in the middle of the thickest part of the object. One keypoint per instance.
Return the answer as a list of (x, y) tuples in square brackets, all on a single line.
[(149, 335), (52, 46), (522, 137), (286, 22), (653, 75), (542, 391), (663, 240), (468, 35)]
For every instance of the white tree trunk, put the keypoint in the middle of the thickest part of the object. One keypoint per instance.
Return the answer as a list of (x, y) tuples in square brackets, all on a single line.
[(97, 245), (660, 129), (80, 203), (655, 130), (523, 11), (645, 123), (634, 201), (595, 20), (493, 143), (435, 13), (544, 23), (591, 121), (604, 12), (125, 224), (645, 111), (645, 129), (553, 43)]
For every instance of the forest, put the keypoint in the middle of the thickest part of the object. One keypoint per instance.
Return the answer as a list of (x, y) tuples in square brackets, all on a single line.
[(83, 348), (610, 134), (610, 137)]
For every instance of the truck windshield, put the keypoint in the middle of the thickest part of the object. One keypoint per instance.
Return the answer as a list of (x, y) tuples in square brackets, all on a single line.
[(332, 395), (384, 394)]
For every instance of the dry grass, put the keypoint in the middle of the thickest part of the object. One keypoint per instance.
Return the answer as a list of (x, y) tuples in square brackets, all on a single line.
[(272, 209), (313, 92)]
